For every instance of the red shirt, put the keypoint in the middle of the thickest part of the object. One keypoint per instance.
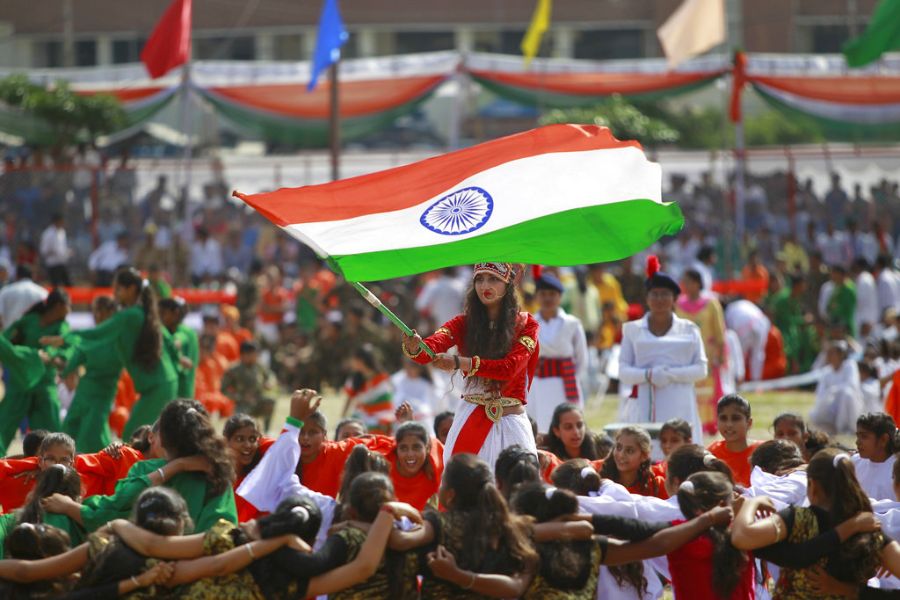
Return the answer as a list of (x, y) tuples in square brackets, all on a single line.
[(548, 462), (324, 473), (655, 487), (660, 469), (99, 474), (738, 461), (691, 567), (515, 370), (418, 489)]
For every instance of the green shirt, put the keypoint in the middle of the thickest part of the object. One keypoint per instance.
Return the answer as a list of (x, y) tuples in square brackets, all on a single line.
[(121, 332), (27, 332), (99, 510), (188, 345), (842, 306), (24, 365)]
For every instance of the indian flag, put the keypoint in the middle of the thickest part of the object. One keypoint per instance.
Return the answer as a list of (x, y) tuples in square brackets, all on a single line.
[(558, 195)]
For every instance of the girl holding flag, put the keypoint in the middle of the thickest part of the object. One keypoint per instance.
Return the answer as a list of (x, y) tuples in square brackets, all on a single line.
[(498, 353)]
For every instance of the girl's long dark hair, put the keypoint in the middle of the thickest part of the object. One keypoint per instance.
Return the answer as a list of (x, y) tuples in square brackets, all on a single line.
[(776, 456), (858, 558), (56, 297), (185, 431), (690, 459), (554, 444), (566, 565), (645, 481), (58, 479), (487, 340), (148, 349), (571, 476), (361, 460), (515, 465), (485, 514), (707, 490)]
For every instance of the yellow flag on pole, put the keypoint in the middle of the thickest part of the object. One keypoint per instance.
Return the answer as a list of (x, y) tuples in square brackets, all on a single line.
[(540, 22)]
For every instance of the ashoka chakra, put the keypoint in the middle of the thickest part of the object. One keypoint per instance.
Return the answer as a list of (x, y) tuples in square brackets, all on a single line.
[(462, 211)]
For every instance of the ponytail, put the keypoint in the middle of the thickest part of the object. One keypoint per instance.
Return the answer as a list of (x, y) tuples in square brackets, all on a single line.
[(833, 471), (484, 512), (58, 479), (148, 348), (698, 494)]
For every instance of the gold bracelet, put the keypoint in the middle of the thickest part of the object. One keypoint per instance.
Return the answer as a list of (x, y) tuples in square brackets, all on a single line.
[(410, 354), (471, 583), (476, 363), (135, 581), (777, 527)]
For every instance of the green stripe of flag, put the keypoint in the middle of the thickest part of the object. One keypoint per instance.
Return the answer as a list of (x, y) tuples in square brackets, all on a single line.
[(603, 233)]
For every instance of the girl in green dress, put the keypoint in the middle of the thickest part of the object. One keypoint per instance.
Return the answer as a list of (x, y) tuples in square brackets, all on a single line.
[(40, 403), (172, 312), (196, 465), (144, 347), (88, 417)]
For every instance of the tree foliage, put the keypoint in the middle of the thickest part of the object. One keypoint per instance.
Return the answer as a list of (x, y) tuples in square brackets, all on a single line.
[(693, 128), (624, 119), (73, 117)]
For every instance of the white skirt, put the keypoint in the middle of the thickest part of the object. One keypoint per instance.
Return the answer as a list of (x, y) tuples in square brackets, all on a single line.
[(509, 431), (545, 395)]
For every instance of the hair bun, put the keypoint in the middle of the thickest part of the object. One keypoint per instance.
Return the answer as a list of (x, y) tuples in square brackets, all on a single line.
[(709, 460), (549, 492), (687, 486), (587, 472)]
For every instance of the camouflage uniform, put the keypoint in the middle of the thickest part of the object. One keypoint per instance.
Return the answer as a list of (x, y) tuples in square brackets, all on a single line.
[(249, 386)]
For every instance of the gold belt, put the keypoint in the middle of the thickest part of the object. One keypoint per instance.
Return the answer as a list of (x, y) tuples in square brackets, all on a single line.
[(493, 405)]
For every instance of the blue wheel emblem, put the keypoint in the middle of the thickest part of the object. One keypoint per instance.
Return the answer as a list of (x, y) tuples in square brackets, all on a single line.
[(460, 212)]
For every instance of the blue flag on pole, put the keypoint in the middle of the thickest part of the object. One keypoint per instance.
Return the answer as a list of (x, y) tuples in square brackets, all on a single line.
[(329, 39)]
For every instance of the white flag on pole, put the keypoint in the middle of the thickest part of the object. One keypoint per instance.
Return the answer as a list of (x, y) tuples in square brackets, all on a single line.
[(695, 27)]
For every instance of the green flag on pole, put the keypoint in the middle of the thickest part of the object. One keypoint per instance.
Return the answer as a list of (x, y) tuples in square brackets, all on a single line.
[(882, 35)]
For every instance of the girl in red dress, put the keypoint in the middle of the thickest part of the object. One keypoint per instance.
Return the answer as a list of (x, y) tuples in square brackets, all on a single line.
[(630, 464), (498, 353)]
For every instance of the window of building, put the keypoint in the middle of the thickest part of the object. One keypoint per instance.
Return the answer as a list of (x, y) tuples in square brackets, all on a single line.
[(85, 53), (288, 47), (48, 54), (609, 43), (127, 51), (507, 41), (408, 42), (829, 38), (225, 48)]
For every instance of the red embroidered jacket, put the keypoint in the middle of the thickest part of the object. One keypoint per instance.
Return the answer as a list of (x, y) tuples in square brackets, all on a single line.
[(516, 369)]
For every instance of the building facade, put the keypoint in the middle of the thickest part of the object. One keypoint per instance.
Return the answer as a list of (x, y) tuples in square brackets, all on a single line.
[(56, 33)]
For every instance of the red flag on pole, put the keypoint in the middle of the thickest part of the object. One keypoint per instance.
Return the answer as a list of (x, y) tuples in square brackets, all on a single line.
[(170, 43)]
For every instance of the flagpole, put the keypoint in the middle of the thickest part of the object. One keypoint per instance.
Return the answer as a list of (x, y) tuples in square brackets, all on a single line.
[(334, 121), (374, 301)]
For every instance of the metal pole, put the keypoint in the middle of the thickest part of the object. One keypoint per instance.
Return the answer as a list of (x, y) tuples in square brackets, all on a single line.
[(374, 301), (334, 122), (68, 34)]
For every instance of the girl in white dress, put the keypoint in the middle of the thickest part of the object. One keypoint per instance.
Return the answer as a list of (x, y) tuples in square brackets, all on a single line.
[(838, 393), (663, 356)]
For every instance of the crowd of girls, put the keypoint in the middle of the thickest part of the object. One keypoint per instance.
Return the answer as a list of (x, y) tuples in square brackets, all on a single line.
[(203, 515)]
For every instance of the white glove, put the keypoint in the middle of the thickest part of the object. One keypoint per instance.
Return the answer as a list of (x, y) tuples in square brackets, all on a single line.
[(660, 376)]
